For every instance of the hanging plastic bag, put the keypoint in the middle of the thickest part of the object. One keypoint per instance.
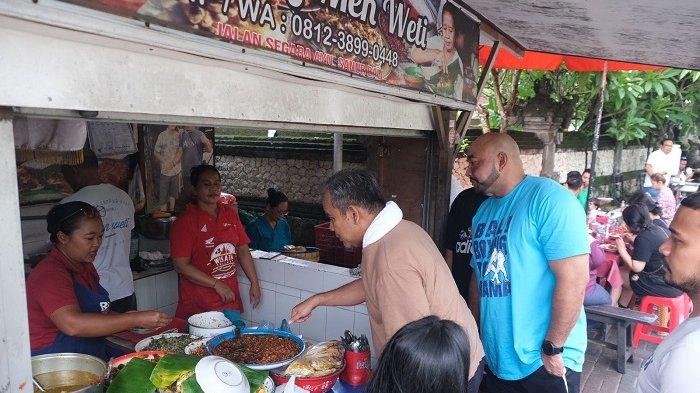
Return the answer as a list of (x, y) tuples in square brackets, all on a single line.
[(290, 387)]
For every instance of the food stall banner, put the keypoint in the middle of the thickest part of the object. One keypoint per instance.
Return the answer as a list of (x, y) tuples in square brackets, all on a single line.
[(425, 45)]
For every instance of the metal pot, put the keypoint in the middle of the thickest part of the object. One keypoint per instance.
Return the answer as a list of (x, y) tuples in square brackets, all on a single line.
[(59, 369), (155, 228)]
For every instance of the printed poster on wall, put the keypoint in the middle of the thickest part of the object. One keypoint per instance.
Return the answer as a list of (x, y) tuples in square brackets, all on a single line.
[(425, 45)]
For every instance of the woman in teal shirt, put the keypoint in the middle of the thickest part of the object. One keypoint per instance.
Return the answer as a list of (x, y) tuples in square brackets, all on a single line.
[(270, 232)]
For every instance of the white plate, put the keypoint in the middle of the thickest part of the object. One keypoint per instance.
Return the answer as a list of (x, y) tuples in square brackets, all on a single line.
[(193, 345), (269, 385), (144, 343)]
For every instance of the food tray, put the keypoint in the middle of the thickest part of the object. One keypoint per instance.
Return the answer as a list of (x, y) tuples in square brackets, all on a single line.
[(216, 340)]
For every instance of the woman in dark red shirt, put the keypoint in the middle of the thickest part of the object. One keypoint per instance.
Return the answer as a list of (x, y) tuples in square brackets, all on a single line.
[(68, 308), (207, 242)]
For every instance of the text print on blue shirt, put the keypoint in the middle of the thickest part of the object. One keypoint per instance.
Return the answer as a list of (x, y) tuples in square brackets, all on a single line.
[(490, 250)]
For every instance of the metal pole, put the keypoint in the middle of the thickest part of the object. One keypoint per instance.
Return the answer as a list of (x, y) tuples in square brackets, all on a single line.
[(337, 152), (466, 116), (596, 130)]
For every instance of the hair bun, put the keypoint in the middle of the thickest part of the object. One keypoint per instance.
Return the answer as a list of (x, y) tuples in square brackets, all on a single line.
[(271, 191)]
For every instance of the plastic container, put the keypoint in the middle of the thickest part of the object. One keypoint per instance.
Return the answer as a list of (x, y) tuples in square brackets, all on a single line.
[(358, 368), (313, 385), (332, 251)]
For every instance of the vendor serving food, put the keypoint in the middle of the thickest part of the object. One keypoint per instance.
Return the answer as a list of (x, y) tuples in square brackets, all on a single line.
[(69, 311), (207, 242)]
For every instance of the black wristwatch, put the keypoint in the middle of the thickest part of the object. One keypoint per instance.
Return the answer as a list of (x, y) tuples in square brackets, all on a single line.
[(549, 349)]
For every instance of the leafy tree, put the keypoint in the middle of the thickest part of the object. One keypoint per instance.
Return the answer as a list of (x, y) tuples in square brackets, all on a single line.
[(636, 103)]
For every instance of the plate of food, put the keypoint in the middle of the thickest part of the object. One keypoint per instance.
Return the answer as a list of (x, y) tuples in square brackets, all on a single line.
[(168, 342), (608, 247), (317, 370), (258, 349), (197, 348)]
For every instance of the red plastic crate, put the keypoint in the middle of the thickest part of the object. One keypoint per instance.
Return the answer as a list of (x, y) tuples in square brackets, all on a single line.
[(332, 251)]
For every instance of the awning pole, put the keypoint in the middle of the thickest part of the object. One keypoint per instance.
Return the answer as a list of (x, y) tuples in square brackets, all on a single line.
[(337, 152), (466, 116), (596, 130)]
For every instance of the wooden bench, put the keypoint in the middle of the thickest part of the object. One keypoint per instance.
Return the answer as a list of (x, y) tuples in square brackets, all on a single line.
[(624, 320)]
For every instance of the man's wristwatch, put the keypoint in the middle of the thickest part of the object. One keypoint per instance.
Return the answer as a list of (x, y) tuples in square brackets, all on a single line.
[(549, 349)]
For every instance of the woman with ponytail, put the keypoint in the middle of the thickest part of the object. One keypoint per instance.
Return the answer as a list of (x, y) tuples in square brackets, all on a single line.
[(642, 269), (271, 232)]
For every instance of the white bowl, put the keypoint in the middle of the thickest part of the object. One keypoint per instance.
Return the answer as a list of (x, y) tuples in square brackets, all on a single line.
[(215, 374), (209, 324)]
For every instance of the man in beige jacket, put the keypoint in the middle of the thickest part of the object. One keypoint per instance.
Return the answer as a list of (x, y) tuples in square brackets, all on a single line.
[(404, 277)]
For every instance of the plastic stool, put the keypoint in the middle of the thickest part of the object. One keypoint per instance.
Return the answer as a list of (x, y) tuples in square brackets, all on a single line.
[(679, 308)]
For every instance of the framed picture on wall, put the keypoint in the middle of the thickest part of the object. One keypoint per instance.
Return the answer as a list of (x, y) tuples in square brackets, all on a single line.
[(168, 153)]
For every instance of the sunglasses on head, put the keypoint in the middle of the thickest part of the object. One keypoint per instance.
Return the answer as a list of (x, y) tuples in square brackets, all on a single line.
[(86, 211)]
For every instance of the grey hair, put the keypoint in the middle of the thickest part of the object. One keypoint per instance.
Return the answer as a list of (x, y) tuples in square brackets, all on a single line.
[(354, 187)]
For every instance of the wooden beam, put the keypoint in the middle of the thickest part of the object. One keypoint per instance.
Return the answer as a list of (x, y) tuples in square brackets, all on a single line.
[(440, 173), (466, 116)]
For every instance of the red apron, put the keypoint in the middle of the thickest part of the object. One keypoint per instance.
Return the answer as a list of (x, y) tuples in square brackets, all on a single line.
[(215, 253)]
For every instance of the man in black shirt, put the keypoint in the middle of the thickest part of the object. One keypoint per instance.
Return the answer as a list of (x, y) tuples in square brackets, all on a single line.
[(458, 238)]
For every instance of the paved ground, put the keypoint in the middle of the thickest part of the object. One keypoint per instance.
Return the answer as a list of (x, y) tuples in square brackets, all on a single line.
[(599, 373)]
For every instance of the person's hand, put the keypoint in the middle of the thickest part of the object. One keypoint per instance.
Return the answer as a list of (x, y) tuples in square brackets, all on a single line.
[(554, 364), (629, 237), (302, 311), (620, 243), (255, 295), (151, 319), (227, 295)]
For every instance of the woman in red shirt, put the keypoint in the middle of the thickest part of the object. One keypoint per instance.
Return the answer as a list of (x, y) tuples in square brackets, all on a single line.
[(207, 242), (68, 308)]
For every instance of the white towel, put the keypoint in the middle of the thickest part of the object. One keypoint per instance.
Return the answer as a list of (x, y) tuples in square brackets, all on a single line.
[(385, 221)]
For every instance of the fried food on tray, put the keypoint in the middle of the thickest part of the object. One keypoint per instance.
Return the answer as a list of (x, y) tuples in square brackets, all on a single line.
[(320, 360), (257, 349)]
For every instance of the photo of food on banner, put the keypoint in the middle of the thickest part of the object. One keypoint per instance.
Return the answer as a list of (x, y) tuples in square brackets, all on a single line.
[(425, 45)]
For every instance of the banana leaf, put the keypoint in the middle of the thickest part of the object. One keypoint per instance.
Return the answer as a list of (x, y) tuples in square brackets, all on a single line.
[(170, 368), (255, 378), (133, 378), (190, 385)]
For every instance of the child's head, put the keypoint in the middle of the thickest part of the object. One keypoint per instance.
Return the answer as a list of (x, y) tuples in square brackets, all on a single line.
[(427, 355), (448, 26)]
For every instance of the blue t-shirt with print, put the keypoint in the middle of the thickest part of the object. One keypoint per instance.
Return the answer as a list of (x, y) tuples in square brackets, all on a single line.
[(514, 238)]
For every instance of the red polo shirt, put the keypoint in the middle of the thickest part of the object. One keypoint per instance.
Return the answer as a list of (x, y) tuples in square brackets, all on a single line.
[(212, 245), (49, 288)]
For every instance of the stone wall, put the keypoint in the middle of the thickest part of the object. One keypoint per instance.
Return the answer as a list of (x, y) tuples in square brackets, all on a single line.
[(633, 159), (300, 180)]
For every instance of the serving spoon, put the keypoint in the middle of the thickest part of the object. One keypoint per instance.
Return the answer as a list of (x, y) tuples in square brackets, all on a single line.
[(38, 385)]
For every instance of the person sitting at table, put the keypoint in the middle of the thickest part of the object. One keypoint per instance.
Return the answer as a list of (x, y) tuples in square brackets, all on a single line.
[(643, 270), (207, 243), (427, 355), (595, 293), (271, 232), (574, 182), (644, 199), (666, 199), (69, 311)]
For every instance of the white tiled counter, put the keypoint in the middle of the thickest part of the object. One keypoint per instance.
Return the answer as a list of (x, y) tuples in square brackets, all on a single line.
[(286, 281), (157, 289)]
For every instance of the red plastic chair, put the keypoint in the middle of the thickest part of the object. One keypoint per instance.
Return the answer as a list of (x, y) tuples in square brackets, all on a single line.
[(679, 310)]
